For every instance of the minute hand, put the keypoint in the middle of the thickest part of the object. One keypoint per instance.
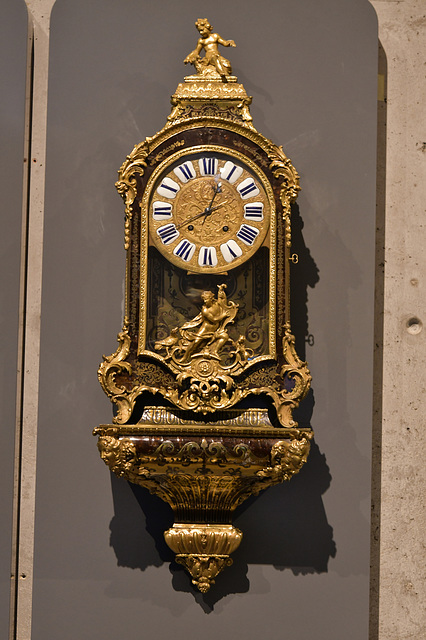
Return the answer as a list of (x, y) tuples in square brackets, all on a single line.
[(217, 206), (182, 224), (204, 213)]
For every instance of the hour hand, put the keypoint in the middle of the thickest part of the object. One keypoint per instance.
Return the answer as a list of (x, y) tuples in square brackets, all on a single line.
[(207, 211), (182, 224), (218, 205)]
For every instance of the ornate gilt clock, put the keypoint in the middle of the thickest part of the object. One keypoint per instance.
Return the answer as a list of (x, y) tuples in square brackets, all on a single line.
[(206, 376)]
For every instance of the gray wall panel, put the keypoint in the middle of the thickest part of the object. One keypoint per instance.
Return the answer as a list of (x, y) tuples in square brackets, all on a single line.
[(13, 44), (101, 567)]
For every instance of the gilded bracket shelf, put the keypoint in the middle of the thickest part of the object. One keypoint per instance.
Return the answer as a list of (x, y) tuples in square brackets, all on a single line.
[(203, 472)]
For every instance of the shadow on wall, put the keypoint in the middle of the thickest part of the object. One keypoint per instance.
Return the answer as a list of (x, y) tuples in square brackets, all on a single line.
[(285, 526)]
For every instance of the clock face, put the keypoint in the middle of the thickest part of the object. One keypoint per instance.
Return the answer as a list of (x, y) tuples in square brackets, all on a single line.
[(208, 209)]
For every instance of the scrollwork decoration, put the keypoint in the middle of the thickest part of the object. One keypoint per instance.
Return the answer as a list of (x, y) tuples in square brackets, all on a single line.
[(203, 385), (286, 400), (114, 365), (283, 169), (127, 185)]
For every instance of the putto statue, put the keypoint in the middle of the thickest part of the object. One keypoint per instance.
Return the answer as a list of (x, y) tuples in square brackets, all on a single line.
[(212, 61), (206, 334)]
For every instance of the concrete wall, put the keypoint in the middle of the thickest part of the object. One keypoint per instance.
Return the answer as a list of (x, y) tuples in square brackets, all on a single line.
[(399, 472)]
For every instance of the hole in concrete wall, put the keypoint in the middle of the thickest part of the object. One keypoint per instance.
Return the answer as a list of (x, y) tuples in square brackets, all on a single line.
[(414, 326)]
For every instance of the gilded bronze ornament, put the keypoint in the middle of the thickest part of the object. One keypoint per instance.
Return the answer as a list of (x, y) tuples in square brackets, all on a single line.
[(212, 64), (207, 317), (204, 472)]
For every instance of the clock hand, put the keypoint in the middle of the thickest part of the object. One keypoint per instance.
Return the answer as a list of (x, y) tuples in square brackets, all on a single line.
[(217, 189), (207, 211), (218, 205), (210, 211), (182, 224)]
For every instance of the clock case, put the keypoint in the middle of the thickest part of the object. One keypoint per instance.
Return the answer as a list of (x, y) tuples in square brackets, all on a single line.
[(205, 439)]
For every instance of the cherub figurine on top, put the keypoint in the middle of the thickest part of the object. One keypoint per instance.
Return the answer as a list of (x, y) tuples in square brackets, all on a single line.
[(212, 60)]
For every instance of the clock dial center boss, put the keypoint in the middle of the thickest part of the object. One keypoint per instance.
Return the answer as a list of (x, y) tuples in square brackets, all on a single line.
[(208, 209)]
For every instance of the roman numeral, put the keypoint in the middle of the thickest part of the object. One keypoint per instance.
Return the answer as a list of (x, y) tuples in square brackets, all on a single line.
[(168, 233), (161, 210), (207, 257), (231, 172), (184, 250), (253, 211), (247, 188), (247, 234), (208, 166), (231, 250), (185, 171), (168, 188)]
